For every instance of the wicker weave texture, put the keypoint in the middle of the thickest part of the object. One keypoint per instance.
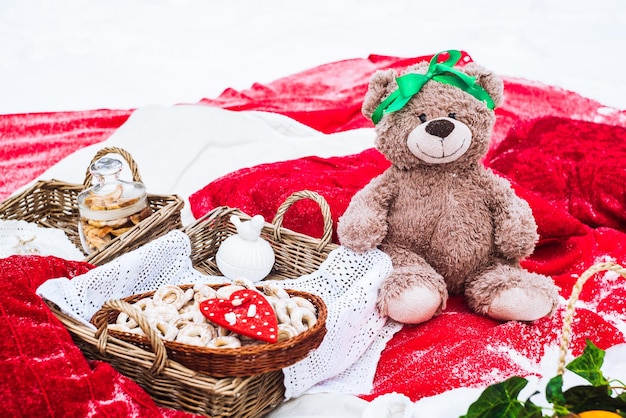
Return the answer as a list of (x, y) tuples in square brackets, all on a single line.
[(52, 204), (296, 254), (178, 387), (173, 385)]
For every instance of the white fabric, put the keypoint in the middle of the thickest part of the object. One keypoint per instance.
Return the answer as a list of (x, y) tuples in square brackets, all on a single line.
[(21, 237), (198, 144), (346, 360), (162, 261), (392, 405)]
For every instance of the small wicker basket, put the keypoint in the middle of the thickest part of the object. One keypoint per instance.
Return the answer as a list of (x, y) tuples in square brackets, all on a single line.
[(173, 385), (52, 204), (296, 254)]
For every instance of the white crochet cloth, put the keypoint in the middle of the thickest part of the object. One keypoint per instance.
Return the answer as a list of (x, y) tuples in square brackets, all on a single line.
[(162, 261), (346, 360)]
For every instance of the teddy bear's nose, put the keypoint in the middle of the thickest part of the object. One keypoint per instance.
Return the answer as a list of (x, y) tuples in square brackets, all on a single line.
[(440, 127)]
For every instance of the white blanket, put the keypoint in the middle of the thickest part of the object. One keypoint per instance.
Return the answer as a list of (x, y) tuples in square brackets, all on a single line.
[(180, 149)]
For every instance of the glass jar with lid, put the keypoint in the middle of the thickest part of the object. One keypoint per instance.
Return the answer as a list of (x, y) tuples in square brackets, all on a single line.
[(111, 206)]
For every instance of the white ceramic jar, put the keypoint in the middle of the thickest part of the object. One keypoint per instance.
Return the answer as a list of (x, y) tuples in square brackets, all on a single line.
[(245, 254)]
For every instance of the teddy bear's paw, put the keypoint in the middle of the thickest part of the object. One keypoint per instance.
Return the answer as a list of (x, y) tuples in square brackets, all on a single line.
[(518, 304), (414, 305), (360, 237)]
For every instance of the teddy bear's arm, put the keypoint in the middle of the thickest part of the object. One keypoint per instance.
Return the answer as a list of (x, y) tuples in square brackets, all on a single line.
[(363, 226), (514, 223)]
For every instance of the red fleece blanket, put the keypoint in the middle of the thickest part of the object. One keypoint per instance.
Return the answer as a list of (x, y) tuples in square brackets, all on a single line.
[(43, 372), (561, 154)]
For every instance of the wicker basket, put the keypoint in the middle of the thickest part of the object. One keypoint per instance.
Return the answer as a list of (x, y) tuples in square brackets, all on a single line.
[(173, 385), (296, 254), (170, 383), (53, 204), (218, 362)]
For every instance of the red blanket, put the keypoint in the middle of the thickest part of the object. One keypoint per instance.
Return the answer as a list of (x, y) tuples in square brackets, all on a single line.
[(43, 372), (561, 154), (30, 143)]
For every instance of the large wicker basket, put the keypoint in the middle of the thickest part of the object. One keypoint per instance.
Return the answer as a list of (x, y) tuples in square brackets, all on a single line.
[(170, 383), (219, 362), (52, 204)]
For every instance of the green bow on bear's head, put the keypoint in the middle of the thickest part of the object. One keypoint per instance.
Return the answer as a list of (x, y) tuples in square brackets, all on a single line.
[(410, 84)]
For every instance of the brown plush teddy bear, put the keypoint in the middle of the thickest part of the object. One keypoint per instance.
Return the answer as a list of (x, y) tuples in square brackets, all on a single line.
[(449, 224)]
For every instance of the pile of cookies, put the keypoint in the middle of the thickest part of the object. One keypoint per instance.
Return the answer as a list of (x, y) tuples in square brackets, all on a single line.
[(175, 313)]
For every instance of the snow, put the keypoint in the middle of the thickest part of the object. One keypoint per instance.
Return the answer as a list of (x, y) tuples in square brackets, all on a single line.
[(80, 55)]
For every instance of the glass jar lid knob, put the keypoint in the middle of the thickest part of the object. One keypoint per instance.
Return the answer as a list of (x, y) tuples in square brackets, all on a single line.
[(106, 167)]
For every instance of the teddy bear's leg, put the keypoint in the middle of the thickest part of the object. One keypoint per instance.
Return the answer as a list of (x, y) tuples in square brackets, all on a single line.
[(413, 292), (510, 293)]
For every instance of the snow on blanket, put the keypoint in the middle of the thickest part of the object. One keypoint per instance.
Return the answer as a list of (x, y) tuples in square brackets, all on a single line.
[(561, 151)]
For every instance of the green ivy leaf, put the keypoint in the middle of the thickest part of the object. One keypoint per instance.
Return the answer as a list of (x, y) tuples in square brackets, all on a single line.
[(530, 410), (586, 398), (499, 400), (588, 365), (554, 391)]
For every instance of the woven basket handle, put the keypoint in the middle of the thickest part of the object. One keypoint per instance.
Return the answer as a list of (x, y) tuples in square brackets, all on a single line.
[(566, 333), (317, 198), (114, 150), (102, 334)]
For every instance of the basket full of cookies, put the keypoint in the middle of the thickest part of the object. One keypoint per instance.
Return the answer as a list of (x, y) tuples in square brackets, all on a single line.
[(221, 330)]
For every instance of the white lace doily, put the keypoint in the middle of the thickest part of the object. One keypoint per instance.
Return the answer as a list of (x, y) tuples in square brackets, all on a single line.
[(346, 360), (160, 262), (19, 237), (356, 334)]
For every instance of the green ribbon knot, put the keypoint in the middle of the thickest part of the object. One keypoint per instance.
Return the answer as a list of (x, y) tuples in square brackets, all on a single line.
[(410, 84)]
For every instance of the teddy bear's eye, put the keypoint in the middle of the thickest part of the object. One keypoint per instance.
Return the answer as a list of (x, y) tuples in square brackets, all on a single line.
[(452, 115), (422, 117)]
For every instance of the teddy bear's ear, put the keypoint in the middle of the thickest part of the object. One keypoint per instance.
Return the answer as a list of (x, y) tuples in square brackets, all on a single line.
[(382, 83), (487, 80)]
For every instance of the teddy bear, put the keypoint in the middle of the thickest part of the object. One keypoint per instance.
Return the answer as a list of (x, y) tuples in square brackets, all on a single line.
[(449, 224)]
